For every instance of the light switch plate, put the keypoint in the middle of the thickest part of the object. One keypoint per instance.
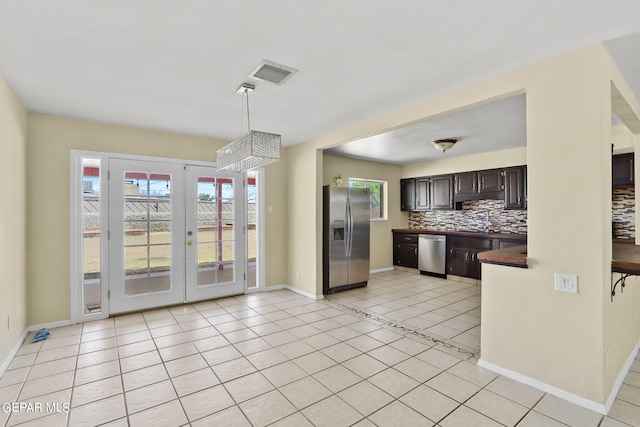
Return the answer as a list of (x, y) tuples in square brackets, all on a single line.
[(566, 283)]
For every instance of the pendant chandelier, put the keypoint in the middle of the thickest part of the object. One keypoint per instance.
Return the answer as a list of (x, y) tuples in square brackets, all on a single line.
[(251, 150)]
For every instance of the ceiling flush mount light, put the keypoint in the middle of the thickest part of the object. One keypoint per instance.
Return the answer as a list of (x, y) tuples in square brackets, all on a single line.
[(251, 150), (444, 144)]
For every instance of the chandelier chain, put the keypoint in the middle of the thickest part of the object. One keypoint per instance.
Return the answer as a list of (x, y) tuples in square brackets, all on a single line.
[(248, 116), (245, 97)]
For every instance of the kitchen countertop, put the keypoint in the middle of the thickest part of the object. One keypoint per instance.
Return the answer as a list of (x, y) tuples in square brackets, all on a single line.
[(514, 256), (625, 254), (501, 236)]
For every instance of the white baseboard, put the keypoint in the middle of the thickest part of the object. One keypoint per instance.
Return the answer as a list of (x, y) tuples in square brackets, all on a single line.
[(573, 398), (49, 325), (12, 353), (382, 270), (296, 290), (547, 388), (304, 294), (608, 403)]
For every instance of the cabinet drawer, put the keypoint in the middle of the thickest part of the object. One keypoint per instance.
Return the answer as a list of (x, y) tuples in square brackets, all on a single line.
[(405, 238), (470, 242)]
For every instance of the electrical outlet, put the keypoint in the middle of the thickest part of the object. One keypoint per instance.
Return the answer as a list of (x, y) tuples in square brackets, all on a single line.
[(566, 283), (298, 275)]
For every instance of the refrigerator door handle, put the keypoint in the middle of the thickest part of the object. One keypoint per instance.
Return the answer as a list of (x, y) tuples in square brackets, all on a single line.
[(349, 231)]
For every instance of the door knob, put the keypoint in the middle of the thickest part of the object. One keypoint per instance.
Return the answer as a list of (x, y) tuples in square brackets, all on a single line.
[(189, 233), (189, 243)]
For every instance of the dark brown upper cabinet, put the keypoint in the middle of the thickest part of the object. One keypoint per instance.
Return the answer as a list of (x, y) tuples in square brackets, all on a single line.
[(490, 181), (441, 192), (423, 194), (408, 194), (622, 170), (466, 184), (515, 188), (430, 192), (484, 184)]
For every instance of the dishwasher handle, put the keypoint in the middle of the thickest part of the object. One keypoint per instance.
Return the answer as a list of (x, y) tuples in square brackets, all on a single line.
[(437, 238)]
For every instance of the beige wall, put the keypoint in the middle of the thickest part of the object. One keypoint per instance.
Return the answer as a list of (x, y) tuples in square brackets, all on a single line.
[(569, 136), (619, 341), (495, 159), (304, 222), (50, 140), (13, 173), (381, 253), (276, 229), (528, 328), (531, 329), (577, 343)]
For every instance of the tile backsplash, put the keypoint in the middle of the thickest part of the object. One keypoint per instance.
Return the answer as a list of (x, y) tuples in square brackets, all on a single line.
[(476, 215), (623, 213)]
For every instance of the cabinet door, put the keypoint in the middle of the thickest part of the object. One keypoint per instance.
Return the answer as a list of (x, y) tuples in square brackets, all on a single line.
[(514, 188), (490, 181), (458, 262), (474, 264), (407, 194), (409, 255), (442, 192), (405, 250), (423, 185), (622, 170), (466, 183), (510, 243)]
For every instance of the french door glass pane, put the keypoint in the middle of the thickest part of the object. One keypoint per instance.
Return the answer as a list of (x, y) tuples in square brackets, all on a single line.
[(147, 233), (251, 229), (91, 284), (215, 230)]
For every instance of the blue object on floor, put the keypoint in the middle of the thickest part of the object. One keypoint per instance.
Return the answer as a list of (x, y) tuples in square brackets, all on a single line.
[(41, 335)]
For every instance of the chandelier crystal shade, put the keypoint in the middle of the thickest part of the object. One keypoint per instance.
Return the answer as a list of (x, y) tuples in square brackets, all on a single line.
[(251, 150)]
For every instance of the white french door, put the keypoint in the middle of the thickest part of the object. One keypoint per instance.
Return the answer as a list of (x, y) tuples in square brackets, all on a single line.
[(215, 249), (175, 234)]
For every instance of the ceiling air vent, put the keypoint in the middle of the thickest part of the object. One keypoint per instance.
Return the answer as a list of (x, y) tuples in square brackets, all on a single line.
[(269, 71)]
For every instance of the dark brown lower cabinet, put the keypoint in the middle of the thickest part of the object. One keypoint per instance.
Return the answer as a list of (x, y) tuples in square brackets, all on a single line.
[(462, 255), (405, 250), (462, 251)]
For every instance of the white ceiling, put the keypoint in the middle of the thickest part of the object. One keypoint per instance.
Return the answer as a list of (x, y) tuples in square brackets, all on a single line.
[(175, 65), (496, 126)]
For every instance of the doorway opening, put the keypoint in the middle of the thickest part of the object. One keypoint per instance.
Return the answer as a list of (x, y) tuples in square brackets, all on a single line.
[(149, 232)]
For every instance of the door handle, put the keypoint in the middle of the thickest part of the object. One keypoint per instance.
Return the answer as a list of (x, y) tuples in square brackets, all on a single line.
[(189, 243)]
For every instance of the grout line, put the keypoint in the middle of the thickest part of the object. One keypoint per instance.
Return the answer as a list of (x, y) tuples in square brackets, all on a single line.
[(329, 306)]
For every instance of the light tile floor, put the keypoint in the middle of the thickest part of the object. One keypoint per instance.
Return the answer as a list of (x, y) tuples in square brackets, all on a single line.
[(401, 352)]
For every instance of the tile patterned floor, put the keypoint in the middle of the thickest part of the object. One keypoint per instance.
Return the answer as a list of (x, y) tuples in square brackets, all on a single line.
[(401, 352)]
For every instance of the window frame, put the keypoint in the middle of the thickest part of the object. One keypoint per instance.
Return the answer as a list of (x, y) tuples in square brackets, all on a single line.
[(383, 196)]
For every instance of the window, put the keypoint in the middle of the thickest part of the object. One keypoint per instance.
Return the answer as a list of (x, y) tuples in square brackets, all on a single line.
[(377, 194)]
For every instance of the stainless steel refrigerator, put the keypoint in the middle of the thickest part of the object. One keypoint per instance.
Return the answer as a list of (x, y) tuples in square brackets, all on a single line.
[(345, 238)]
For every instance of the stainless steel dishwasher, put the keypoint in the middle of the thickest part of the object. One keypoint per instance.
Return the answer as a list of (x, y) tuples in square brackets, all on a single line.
[(432, 252)]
